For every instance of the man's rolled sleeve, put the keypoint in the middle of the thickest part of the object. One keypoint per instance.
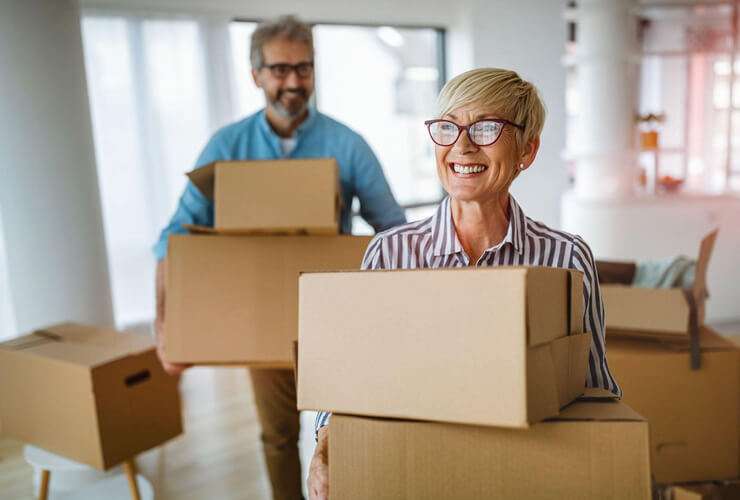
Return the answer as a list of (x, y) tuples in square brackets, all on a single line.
[(377, 204), (193, 208)]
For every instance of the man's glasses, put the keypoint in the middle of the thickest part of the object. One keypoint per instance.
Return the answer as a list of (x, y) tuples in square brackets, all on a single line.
[(481, 133), (282, 70)]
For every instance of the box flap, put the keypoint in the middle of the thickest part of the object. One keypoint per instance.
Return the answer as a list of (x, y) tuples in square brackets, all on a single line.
[(79, 344), (613, 272), (548, 296), (575, 301), (599, 408), (203, 178), (702, 263)]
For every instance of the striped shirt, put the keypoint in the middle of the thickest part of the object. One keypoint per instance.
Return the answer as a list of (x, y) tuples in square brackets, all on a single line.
[(433, 243)]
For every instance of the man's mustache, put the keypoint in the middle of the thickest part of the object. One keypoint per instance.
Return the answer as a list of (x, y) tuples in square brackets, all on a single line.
[(297, 91)]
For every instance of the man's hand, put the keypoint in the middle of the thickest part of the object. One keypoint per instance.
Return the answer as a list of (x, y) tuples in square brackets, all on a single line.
[(171, 368), (318, 472)]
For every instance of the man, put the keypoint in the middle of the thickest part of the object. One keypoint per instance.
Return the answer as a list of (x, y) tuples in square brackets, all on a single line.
[(282, 66)]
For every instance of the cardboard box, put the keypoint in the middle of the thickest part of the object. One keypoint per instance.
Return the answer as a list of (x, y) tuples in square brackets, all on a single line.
[(656, 312), (594, 449), (488, 346), (703, 491), (93, 395), (693, 414), (272, 195), (234, 299)]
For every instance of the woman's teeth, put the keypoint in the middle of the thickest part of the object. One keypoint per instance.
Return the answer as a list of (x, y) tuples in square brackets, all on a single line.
[(467, 169)]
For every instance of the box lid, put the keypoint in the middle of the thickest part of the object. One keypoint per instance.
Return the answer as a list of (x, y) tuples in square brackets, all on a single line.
[(78, 344)]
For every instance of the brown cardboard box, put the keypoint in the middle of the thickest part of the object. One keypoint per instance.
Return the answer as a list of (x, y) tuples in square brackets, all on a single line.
[(272, 195), (703, 491), (594, 449), (487, 346), (234, 299), (693, 414), (656, 312), (90, 394)]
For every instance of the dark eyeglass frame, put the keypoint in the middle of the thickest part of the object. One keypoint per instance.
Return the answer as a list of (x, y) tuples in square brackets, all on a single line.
[(302, 69), (466, 128)]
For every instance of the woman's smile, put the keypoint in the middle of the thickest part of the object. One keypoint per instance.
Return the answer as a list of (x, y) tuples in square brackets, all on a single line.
[(467, 170)]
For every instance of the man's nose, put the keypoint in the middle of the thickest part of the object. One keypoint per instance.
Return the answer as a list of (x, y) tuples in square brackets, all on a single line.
[(292, 80)]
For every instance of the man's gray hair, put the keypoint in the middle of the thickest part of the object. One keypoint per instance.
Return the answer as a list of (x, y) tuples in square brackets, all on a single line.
[(286, 27)]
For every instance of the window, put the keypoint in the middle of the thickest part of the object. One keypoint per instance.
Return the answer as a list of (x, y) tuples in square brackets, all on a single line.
[(160, 86), (689, 71), (689, 81)]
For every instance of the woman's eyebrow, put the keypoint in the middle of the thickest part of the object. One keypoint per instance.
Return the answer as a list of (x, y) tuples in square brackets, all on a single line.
[(482, 116)]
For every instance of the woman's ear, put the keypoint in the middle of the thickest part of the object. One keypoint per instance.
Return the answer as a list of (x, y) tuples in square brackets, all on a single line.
[(529, 153)]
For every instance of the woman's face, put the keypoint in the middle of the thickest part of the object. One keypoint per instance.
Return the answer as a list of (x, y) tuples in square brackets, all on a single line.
[(494, 166)]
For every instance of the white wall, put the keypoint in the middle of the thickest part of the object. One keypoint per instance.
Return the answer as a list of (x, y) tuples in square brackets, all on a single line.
[(52, 228)]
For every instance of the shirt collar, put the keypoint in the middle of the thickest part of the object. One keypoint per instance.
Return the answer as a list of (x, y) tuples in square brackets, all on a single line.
[(307, 124), (444, 236)]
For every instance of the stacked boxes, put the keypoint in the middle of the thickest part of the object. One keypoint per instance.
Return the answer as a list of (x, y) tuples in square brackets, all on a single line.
[(232, 290), (473, 360), (90, 394), (679, 374)]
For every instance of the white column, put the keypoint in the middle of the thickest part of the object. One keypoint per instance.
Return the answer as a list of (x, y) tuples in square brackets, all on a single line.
[(49, 198), (606, 64)]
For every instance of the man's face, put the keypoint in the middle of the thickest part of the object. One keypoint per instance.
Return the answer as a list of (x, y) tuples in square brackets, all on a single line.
[(287, 96)]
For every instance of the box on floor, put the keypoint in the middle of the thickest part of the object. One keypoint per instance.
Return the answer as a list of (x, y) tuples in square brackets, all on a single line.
[(596, 448), (90, 394), (487, 346), (693, 414), (234, 299)]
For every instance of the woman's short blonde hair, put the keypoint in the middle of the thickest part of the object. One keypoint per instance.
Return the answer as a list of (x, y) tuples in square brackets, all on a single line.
[(502, 90)]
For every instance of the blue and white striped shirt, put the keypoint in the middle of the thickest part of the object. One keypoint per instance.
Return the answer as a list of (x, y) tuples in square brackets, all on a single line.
[(433, 243)]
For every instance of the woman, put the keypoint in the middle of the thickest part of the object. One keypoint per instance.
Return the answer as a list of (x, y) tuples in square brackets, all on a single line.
[(487, 134)]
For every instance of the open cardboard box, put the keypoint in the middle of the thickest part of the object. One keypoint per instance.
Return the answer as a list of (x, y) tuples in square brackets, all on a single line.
[(271, 196), (90, 394), (654, 312), (694, 414), (234, 299), (597, 448), (489, 346)]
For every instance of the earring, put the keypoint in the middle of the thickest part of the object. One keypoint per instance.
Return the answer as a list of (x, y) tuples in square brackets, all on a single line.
[(521, 166)]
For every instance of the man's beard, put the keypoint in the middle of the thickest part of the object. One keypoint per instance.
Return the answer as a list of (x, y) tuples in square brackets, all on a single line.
[(286, 112)]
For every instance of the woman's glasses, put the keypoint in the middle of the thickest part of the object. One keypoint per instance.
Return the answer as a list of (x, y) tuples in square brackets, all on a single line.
[(481, 133)]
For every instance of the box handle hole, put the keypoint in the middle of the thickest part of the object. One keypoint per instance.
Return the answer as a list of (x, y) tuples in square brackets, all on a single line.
[(138, 378)]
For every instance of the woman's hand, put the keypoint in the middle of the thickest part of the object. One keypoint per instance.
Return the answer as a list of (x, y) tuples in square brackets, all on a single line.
[(318, 471)]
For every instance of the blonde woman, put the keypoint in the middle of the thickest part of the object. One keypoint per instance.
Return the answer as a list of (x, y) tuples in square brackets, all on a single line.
[(487, 134)]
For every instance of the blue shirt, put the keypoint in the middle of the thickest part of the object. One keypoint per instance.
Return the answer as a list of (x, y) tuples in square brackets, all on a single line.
[(318, 136)]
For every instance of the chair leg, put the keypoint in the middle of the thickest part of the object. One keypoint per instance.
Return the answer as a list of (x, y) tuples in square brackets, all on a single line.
[(44, 487), (130, 469)]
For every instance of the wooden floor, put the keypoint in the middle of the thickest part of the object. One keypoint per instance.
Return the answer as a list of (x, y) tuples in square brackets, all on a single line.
[(218, 456)]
